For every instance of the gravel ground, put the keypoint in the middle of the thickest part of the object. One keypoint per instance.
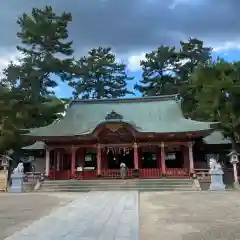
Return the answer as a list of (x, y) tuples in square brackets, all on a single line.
[(190, 216), (20, 210)]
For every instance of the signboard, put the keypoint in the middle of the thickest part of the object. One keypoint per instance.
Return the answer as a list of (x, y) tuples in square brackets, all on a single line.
[(3, 180), (88, 158), (79, 169), (170, 156)]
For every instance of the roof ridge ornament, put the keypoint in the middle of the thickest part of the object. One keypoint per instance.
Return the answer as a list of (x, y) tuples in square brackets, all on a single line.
[(114, 116)]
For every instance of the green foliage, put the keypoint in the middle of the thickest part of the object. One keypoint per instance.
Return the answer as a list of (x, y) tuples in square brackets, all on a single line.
[(45, 47), (27, 89), (158, 72), (19, 110), (98, 75), (210, 90), (217, 91), (168, 71), (192, 54), (44, 33)]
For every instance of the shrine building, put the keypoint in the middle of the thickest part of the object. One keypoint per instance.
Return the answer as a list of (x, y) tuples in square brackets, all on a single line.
[(149, 134)]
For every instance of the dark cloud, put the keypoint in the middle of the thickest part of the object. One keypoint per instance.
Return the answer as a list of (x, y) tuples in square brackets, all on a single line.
[(133, 25)]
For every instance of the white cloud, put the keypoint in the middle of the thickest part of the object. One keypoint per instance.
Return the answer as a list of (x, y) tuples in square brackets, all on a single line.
[(175, 3), (6, 56), (133, 62), (227, 46)]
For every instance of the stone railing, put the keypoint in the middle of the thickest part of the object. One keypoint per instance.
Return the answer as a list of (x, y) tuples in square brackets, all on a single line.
[(202, 174), (32, 176)]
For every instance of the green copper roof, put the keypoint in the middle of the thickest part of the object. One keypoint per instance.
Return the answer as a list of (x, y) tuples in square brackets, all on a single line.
[(161, 114), (216, 137), (35, 146)]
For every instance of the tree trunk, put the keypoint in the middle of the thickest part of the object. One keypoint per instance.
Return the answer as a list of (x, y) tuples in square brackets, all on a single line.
[(233, 142)]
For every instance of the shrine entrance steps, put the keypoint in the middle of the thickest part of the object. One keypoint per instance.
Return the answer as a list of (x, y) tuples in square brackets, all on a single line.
[(144, 185)]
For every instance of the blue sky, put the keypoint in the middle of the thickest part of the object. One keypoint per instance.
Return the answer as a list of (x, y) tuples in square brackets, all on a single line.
[(131, 28), (231, 55), (65, 91)]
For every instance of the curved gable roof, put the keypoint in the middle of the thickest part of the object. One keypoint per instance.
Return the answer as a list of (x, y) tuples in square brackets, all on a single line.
[(161, 114)]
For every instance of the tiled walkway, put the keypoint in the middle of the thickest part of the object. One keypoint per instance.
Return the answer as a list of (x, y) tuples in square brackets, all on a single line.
[(97, 216)]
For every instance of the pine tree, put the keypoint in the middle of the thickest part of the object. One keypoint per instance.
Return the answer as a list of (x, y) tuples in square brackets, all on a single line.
[(192, 54), (158, 72), (98, 75), (47, 53), (45, 47), (217, 92), (26, 90), (167, 71), (20, 110)]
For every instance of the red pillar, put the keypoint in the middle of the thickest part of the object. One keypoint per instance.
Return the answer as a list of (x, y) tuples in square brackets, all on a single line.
[(185, 154), (105, 159), (58, 160), (158, 157), (73, 163), (163, 163), (191, 161), (140, 158), (47, 162), (135, 148), (81, 157), (99, 160)]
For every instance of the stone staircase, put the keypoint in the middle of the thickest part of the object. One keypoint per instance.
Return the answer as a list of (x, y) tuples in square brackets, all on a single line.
[(144, 185)]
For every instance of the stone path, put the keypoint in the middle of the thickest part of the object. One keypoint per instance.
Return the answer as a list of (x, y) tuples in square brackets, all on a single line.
[(97, 216)]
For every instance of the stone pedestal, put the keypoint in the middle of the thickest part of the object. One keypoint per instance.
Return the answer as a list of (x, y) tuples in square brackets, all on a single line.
[(217, 180), (17, 183)]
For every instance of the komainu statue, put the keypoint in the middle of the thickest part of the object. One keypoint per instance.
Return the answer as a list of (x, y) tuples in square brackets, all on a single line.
[(216, 174), (17, 178), (19, 168), (215, 167)]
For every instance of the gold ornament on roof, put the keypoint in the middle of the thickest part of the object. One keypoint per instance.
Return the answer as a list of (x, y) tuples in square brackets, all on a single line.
[(114, 127)]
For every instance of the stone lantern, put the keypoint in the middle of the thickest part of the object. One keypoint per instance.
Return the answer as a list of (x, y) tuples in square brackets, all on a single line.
[(234, 160), (5, 162)]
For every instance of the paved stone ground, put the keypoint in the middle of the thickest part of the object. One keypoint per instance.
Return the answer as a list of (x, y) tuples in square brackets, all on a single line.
[(190, 216), (114, 216), (97, 216), (19, 210)]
